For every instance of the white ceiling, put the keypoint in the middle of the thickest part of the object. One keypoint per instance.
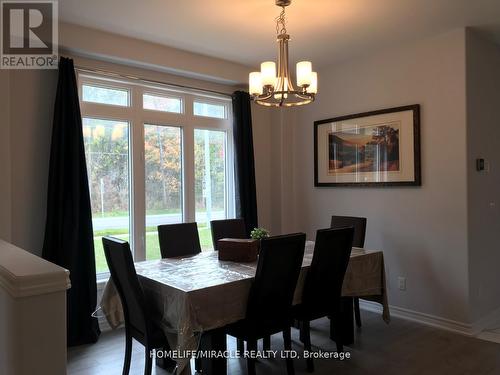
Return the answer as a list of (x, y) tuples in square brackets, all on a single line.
[(322, 31)]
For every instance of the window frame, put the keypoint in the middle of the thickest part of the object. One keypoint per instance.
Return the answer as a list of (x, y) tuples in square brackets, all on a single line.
[(137, 117)]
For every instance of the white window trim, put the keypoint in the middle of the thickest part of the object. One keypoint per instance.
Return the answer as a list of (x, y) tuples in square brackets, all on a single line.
[(136, 116)]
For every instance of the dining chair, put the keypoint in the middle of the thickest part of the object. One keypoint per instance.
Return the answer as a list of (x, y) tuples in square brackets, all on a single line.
[(229, 228), (138, 321), (322, 291), (233, 228), (179, 240), (269, 306), (359, 224)]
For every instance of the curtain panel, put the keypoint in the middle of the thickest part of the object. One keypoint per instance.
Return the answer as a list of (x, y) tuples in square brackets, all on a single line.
[(68, 232), (246, 196)]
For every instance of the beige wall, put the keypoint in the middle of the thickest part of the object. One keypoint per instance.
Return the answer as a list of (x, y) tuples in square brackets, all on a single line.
[(283, 216), (5, 188), (483, 141), (32, 96), (107, 46), (422, 230), (261, 127)]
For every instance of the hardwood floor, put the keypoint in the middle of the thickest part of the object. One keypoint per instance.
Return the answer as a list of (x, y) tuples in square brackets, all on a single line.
[(402, 348)]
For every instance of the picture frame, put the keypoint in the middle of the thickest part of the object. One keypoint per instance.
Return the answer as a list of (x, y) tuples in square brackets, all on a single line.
[(369, 149)]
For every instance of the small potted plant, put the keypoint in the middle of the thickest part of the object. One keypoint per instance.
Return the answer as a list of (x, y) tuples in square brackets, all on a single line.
[(258, 234)]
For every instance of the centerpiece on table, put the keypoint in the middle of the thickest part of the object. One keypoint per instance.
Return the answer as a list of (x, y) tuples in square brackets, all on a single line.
[(241, 250), (259, 233)]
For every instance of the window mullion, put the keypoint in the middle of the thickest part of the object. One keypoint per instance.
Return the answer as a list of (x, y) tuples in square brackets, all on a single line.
[(138, 216), (188, 161)]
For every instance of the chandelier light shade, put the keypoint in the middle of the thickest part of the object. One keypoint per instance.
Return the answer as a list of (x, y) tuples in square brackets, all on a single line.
[(273, 85)]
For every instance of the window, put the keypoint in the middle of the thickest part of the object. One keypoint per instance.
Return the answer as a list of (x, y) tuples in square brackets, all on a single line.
[(161, 103), (154, 156), (163, 172), (209, 110), (105, 95), (210, 181), (107, 155)]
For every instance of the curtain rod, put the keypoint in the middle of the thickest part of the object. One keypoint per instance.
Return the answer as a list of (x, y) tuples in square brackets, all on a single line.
[(146, 80)]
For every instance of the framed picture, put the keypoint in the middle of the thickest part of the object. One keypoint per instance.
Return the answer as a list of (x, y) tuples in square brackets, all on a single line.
[(379, 148)]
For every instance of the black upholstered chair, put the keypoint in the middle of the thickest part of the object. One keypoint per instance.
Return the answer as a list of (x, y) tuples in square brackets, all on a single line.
[(179, 240), (269, 307), (233, 228), (138, 322), (359, 224), (230, 228), (323, 284)]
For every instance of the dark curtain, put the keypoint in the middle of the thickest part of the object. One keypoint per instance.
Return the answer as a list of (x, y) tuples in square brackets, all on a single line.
[(246, 196), (68, 229)]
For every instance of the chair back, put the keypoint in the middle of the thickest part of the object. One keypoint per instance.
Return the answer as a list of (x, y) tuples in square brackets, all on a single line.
[(359, 224), (122, 269), (271, 295), (323, 284), (230, 228), (179, 240)]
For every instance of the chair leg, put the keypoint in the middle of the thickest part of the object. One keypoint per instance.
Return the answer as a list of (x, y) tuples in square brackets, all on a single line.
[(240, 344), (287, 341), (128, 353), (336, 331), (307, 344), (338, 336), (148, 365), (266, 343), (301, 332), (252, 348), (332, 327), (357, 314)]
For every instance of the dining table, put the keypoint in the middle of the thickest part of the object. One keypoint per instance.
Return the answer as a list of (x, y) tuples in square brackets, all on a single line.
[(193, 298)]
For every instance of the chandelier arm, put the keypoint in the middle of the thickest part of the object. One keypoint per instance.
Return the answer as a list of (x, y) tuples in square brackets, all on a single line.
[(283, 104), (305, 95), (264, 96), (286, 73)]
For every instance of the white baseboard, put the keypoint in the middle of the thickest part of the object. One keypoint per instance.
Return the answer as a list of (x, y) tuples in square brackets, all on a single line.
[(423, 318), (488, 322), (493, 336), (468, 329)]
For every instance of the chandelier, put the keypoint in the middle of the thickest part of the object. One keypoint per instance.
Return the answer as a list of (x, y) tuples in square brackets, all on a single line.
[(268, 89)]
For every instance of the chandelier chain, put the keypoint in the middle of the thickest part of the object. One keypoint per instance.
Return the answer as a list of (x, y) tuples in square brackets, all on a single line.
[(281, 22)]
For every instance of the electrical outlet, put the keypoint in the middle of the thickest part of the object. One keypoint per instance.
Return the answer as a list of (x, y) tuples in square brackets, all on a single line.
[(402, 283)]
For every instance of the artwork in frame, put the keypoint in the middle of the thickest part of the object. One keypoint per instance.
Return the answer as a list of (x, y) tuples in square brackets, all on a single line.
[(378, 148)]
